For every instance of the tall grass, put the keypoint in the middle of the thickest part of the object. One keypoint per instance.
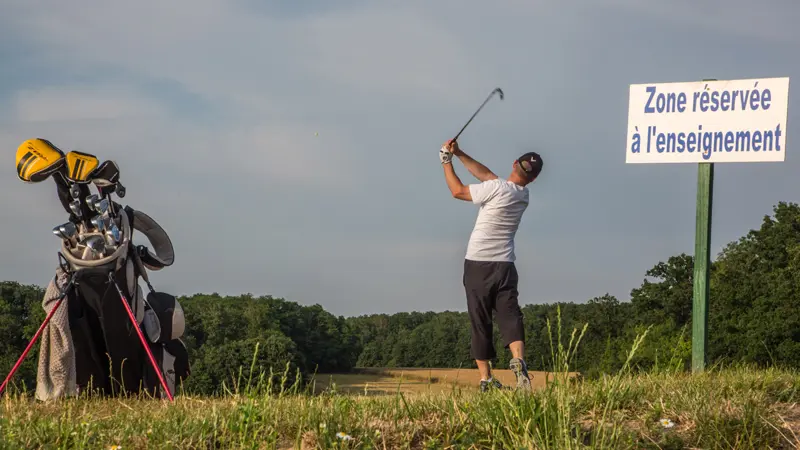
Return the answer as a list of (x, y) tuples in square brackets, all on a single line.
[(732, 408)]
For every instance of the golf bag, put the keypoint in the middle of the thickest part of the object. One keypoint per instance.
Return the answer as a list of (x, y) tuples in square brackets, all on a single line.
[(94, 345), (110, 338)]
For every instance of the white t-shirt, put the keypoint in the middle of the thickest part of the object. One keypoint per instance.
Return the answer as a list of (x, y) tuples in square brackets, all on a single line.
[(501, 206)]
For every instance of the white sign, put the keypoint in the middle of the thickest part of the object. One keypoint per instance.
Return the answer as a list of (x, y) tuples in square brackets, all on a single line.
[(708, 121)]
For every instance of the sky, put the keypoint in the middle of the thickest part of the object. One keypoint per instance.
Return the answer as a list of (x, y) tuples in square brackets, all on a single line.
[(291, 148)]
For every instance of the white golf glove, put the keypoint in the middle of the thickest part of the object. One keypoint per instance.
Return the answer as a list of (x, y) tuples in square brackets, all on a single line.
[(445, 155)]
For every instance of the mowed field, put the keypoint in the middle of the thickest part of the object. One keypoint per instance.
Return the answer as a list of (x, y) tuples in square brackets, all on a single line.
[(390, 381)]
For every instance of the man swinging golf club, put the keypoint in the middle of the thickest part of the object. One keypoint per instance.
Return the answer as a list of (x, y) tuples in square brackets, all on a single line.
[(490, 275)]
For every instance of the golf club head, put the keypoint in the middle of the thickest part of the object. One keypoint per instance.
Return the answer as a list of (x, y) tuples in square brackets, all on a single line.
[(68, 229), (91, 201), (58, 233), (115, 233), (106, 174), (37, 159), (96, 244), (75, 191), (499, 92), (99, 223), (101, 206), (80, 166), (66, 232), (75, 207), (111, 245)]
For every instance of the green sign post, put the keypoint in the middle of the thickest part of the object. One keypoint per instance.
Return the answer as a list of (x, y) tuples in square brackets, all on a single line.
[(702, 263), (704, 123)]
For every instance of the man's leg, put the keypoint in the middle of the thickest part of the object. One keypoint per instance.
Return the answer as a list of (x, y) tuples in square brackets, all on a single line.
[(479, 306), (517, 349), (484, 369), (512, 328)]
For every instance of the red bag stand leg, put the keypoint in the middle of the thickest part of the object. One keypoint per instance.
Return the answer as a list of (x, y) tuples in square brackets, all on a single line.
[(53, 311), (141, 338), (34, 339)]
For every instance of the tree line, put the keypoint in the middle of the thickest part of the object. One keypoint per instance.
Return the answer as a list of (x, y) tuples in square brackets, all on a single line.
[(754, 318)]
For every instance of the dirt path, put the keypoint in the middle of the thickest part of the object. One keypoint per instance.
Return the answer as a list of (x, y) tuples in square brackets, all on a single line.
[(389, 381)]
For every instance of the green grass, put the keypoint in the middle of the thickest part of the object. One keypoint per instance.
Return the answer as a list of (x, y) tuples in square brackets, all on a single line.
[(737, 408), (732, 408)]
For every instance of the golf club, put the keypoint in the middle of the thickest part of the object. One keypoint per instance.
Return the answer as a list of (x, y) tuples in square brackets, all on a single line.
[(91, 201), (38, 159), (111, 246), (59, 232), (99, 223), (97, 205), (96, 244), (496, 91), (69, 230), (101, 206), (75, 191), (104, 207), (115, 233), (75, 207), (66, 232), (106, 178)]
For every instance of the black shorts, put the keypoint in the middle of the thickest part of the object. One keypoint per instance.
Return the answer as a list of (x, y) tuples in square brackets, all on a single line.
[(491, 286)]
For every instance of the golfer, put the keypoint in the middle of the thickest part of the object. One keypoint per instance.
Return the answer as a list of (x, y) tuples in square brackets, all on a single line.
[(490, 276)]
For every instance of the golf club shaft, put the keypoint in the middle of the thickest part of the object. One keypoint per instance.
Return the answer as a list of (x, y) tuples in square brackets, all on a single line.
[(476, 112)]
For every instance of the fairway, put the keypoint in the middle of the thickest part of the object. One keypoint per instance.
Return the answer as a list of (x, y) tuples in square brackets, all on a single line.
[(383, 381)]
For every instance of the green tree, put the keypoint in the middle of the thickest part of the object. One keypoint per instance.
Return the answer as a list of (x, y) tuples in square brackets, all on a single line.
[(755, 303)]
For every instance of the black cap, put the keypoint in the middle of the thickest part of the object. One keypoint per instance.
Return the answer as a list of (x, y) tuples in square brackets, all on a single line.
[(530, 163)]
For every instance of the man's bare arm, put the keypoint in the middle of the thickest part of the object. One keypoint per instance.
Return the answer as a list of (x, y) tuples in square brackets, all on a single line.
[(457, 188), (477, 169)]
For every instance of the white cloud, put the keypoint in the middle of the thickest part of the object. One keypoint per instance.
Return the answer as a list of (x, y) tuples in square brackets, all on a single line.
[(118, 123), (289, 152), (377, 50), (210, 48), (79, 103), (200, 44), (240, 62), (409, 250), (766, 19)]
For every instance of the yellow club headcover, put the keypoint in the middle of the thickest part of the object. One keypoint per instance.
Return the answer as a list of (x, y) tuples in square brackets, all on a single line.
[(37, 159), (80, 165)]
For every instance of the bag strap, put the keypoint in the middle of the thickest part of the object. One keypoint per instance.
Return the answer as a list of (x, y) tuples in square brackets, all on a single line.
[(162, 254), (142, 269)]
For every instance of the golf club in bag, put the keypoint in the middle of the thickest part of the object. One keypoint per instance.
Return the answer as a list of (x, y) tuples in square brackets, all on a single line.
[(107, 336)]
